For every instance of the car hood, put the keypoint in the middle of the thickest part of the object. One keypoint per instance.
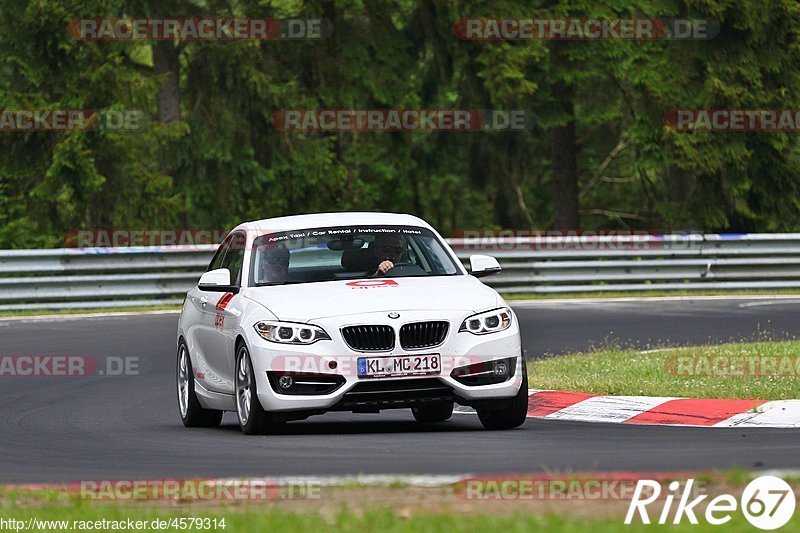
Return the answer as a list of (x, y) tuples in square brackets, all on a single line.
[(309, 301)]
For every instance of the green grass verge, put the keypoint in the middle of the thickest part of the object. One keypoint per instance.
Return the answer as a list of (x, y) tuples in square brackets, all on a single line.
[(358, 520), (647, 294), (697, 372)]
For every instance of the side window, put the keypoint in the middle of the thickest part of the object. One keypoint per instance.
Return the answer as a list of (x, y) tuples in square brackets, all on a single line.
[(216, 261), (234, 258), (417, 258)]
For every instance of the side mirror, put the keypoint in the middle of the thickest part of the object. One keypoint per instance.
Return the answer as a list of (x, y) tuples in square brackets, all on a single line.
[(483, 265), (218, 280)]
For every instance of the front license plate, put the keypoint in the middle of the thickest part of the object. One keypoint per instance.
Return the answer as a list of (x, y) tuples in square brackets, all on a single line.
[(399, 365)]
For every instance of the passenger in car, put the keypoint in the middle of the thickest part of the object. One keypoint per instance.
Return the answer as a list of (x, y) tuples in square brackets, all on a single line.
[(273, 265)]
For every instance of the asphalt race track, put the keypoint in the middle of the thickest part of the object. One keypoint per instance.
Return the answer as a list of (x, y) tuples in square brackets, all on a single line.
[(67, 429), (555, 328)]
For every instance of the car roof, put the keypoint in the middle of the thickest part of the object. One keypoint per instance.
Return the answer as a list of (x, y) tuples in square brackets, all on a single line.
[(322, 220)]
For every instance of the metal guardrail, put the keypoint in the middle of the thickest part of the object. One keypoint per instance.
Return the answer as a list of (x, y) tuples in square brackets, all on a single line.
[(142, 276), (642, 262), (74, 278)]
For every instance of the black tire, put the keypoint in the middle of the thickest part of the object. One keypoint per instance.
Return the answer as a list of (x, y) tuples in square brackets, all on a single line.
[(510, 414), (259, 422), (196, 416), (430, 414)]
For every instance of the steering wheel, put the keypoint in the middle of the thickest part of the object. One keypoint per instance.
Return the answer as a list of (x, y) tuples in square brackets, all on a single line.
[(405, 269)]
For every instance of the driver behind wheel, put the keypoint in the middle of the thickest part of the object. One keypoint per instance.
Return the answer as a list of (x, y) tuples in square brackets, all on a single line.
[(387, 249)]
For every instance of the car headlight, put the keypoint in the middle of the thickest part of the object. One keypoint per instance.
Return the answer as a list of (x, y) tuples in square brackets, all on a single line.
[(290, 333), (487, 322)]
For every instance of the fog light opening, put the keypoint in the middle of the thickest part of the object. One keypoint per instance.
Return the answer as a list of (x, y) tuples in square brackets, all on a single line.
[(485, 372), (285, 382), (500, 368)]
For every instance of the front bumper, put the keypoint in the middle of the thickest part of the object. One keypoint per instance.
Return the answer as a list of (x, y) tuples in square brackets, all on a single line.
[(370, 394)]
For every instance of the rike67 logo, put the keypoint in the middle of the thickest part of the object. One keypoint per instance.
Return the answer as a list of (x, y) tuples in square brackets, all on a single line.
[(767, 502)]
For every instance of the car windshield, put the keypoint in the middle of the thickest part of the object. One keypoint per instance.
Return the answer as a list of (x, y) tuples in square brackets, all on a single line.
[(347, 252)]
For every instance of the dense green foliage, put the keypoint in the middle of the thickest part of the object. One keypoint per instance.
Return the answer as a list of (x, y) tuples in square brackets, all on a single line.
[(219, 160)]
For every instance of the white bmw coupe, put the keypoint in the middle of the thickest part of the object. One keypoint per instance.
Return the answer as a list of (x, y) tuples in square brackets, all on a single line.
[(359, 312)]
